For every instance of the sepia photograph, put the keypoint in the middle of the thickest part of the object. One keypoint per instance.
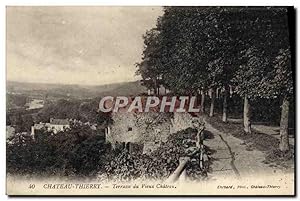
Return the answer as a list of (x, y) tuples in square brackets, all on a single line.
[(150, 100)]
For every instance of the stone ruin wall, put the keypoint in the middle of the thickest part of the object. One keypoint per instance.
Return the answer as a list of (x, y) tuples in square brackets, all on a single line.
[(146, 129), (139, 128), (181, 121)]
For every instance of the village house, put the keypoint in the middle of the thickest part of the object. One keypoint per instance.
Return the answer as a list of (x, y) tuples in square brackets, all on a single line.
[(59, 124), (10, 131), (55, 125)]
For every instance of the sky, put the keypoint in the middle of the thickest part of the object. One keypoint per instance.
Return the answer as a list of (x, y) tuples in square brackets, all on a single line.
[(76, 45)]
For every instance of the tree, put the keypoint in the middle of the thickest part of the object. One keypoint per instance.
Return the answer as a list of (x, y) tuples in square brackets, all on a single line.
[(279, 83), (196, 44), (201, 48), (186, 50), (247, 78), (79, 151), (149, 67), (225, 103), (263, 34), (168, 55)]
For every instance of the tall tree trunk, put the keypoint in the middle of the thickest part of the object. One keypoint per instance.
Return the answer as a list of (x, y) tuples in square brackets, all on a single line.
[(225, 104), (247, 123), (284, 125), (212, 103), (156, 87), (202, 101)]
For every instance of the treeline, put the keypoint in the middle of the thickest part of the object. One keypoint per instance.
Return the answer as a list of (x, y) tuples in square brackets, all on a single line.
[(85, 111), (242, 50)]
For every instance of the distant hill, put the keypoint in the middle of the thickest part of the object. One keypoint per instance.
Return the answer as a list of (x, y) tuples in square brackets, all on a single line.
[(120, 89), (75, 91)]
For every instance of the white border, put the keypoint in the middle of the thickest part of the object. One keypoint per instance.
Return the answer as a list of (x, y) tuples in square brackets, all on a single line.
[(5, 3), (151, 2)]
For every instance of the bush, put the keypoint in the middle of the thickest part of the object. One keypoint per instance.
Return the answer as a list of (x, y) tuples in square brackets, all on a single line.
[(159, 165), (79, 151)]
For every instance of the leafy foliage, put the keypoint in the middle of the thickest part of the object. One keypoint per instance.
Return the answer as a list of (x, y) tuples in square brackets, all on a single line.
[(15, 100), (195, 48), (265, 68), (79, 151), (159, 165)]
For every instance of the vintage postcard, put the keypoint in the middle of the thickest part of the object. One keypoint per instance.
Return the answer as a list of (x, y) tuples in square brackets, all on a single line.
[(156, 101)]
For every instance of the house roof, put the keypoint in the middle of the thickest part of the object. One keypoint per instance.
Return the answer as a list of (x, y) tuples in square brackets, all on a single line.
[(39, 126), (59, 121)]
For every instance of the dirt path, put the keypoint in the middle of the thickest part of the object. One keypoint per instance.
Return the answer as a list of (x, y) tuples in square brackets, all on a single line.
[(231, 159)]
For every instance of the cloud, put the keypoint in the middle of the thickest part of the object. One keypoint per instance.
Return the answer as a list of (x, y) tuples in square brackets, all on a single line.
[(76, 45)]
